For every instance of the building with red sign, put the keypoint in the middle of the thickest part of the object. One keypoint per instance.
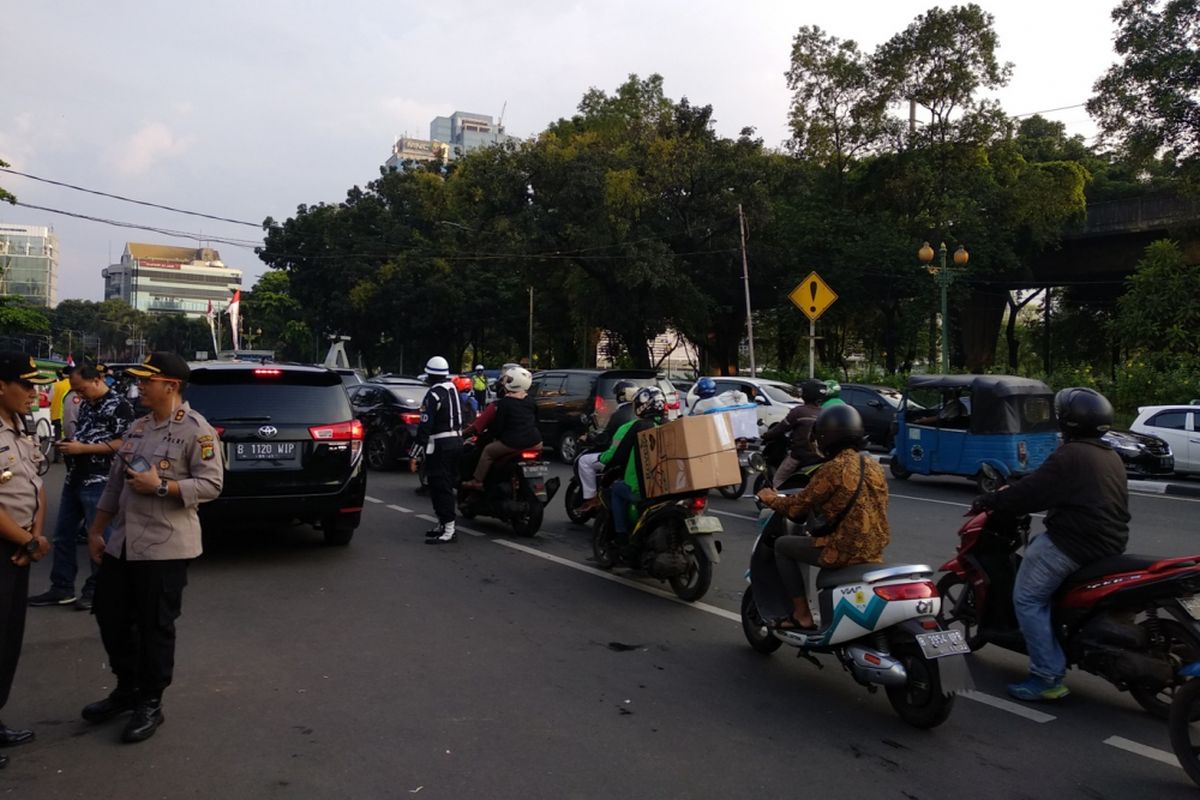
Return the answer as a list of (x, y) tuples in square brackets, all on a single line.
[(161, 279)]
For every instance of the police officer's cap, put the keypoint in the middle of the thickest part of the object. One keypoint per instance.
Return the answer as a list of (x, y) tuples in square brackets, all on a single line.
[(16, 366), (161, 364)]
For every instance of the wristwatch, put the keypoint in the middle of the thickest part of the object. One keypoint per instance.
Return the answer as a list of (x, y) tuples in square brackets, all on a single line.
[(161, 491)]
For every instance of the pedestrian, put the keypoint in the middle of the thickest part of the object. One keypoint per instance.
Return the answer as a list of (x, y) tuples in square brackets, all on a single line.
[(58, 394), (480, 385), (168, 464), (22, 517), (440, 434), (102, 418)]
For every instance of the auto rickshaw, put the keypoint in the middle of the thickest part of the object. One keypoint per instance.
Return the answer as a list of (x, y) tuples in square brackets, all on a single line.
[(955, 424)]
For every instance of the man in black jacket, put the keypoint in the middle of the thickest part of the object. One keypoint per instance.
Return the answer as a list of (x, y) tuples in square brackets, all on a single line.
[(1084, 487), (797, 426)]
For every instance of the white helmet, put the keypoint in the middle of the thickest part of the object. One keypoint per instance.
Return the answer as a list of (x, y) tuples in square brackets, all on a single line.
[(437, 366), (517, 379), (479, 367)]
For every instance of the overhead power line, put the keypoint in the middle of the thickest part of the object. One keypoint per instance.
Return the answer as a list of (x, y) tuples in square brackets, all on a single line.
[(199, 237), (130, 199), (1049, 110)]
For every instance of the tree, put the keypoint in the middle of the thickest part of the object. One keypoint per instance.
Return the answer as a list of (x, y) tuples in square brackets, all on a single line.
[(6, 197), (1149, 101), (1158, 316), (17, 318)]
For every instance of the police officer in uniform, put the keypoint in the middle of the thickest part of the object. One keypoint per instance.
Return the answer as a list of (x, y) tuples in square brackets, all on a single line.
[(169, 463), (440, 434), (22, 517)]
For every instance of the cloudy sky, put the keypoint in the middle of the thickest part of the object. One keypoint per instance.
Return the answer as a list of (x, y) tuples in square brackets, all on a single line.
[(247, 109)]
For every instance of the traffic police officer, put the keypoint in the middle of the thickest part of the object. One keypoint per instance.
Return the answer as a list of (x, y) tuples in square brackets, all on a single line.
[(440, 433), (22, 517), (169, 463)]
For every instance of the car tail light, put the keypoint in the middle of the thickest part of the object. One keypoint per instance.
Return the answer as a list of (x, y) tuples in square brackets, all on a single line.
[(267, 372), (219, 429), (530, 455), (929, 624), (918, 590), (351, 431), (698, 505), (598, 406), (411, 418)]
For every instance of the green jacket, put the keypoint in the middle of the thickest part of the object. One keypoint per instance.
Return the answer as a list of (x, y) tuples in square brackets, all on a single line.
[(616, 453)]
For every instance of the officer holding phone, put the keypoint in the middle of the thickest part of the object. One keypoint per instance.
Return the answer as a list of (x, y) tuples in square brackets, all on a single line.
[(168, 464), (22, 517)]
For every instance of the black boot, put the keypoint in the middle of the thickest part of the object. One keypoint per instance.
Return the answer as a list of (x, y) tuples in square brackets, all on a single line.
[(3, 762), (118, 702), (147, 716)]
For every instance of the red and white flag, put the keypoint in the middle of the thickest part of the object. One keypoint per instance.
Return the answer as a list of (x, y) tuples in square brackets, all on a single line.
[(70, 360), (233, 311)]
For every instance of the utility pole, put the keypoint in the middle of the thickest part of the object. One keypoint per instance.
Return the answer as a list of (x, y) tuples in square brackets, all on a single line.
[(746, 286), (530, 328)]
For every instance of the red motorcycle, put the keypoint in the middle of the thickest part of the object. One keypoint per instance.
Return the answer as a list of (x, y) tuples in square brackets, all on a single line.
[(1132, 620)]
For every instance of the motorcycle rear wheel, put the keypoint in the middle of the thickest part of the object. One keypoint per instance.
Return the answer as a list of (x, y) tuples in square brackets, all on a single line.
[(958, 609), (604, 549), (733, 491), (529, 523), (755, 627), (694, 583), (1184, 727), (920, 702), (1183, 648), (573, 499)]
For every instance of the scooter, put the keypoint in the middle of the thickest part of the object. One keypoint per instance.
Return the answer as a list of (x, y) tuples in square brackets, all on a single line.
[(878, 620), (589, 444), (1133, 620), (752, 465), (515, 490), (672, 540)]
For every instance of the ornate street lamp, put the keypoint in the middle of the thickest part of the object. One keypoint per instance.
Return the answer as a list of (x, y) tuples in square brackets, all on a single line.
[(944, 276)]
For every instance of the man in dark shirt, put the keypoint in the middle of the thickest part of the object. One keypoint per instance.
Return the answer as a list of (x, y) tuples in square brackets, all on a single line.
[(103, 417), (797, 426), (1084, 487)]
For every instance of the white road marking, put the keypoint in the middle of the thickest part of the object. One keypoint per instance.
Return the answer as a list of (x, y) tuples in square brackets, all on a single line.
[(370, 499), (400, 508), (1146, 751), (457, 527), (731, 514), (1007, 705), (943, 502), (566, 562)]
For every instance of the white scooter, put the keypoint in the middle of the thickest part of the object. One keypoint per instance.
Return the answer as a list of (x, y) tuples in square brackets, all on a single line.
[(879, 620)]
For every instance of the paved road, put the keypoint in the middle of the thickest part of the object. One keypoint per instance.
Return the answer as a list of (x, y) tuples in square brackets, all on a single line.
[(509, 668)]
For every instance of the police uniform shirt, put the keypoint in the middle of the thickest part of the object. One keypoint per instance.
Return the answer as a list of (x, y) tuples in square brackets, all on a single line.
[(71, 413), (441, 415), (183, 448), (20, 483)]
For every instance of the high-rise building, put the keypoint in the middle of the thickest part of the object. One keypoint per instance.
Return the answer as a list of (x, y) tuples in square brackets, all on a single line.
[(29, 263), (408, 149), (161, 279), (449, 137)]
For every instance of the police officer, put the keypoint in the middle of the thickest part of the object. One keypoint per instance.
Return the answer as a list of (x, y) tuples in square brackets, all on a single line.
[(440, 433), (22, 517), (168, 464)]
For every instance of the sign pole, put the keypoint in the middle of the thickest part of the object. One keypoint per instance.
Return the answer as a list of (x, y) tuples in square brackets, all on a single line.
[(746, 286), (812, 347)]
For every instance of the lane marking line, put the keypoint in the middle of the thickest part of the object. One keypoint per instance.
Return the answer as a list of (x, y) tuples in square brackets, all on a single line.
[(943, 502), (731, 514), (401, 509), (370, 499), (566, 562), (1121, 743), (1007, 705)]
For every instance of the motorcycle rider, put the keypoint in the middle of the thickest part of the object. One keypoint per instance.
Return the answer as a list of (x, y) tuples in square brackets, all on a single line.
[(1084, 488), (514, 427), (706, 392), (797, 426), (466, 398), (589, 464), (849, 494), (440, 434), (622, 460), (832, 390)]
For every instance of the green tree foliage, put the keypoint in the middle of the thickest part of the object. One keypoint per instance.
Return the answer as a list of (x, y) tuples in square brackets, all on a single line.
[(1157, 318), (18, 318), (6, 197)]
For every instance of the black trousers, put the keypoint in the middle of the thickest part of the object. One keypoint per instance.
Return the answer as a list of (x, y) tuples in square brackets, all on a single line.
[(136, 605), (441, 467), (790, 553), (14, 591)]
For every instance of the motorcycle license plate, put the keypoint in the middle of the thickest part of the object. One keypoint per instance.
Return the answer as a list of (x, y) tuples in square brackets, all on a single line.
[(703, 525), (942, 643), (535, 470), (1191, 605)]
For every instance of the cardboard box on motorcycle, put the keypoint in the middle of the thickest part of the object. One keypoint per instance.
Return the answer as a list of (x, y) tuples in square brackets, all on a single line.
[(689, 455)]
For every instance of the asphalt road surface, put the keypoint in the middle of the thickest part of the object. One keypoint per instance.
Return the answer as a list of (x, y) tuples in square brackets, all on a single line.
[(511, 668)]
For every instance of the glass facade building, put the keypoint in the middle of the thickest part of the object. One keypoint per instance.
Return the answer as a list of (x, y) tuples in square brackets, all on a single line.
[(160, 279), (449, 137), (29, 263)]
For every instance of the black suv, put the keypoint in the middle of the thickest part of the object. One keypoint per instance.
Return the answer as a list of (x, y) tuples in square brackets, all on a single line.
[(390, 413), (292, 447), (565, 396)]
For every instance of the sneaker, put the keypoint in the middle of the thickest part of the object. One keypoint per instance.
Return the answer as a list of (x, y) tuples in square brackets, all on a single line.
[(84, 603), (447, 537), (1036, 689), (54, 597), (433, 532)]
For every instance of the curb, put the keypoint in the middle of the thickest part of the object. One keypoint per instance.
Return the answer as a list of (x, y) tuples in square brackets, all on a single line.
[(1174, 489)]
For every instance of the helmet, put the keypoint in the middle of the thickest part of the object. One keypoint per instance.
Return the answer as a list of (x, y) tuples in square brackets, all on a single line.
[(462, 383), (437, 366), (624, 391), (1082, 413), (517, 379), (706, 387), (649, 402), (814, 391), (833, 389), (838, 428), (479, 367)]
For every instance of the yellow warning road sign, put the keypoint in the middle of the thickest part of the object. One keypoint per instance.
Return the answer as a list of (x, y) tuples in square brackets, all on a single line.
[(813, 296)]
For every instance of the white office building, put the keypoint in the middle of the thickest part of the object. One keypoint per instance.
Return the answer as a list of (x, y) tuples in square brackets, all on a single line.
[(29, 263), (161, 279)]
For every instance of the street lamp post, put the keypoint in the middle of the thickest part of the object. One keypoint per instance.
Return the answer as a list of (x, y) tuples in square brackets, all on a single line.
[(944, 276)]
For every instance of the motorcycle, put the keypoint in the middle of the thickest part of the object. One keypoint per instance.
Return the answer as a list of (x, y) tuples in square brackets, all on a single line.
[(879, 621), (589, 443), (753, 466), (1132, 620), (515, 490), (673, 540), (1183, 722)]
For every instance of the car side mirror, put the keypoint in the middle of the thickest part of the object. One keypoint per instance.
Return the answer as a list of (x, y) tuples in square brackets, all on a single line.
[(875, 403)]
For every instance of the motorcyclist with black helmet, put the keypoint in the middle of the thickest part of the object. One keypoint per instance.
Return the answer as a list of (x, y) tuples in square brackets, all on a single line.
[(589, 465), (846, 501), (797, 426), (623, 461), (1083, 488)]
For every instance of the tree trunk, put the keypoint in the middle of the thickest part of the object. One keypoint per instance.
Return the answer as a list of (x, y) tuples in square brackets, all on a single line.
[(979, 327), (1010, 331)]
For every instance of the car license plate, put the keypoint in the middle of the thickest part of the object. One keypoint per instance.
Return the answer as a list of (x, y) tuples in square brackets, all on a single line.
[(534, 470), (942, 643), (264, 451), (1191, 605), (703, 525)]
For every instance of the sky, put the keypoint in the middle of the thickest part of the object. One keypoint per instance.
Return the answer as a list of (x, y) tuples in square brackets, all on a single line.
[(248, 109)]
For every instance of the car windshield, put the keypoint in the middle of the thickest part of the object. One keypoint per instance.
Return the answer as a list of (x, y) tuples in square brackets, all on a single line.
[(410, 396), (892, 398), (781, 393)]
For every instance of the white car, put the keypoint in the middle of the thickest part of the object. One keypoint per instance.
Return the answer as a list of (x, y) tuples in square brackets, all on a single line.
[(774, 398), (1179, 426)]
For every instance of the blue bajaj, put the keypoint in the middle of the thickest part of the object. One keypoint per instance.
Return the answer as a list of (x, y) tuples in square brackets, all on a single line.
[(957, 424)]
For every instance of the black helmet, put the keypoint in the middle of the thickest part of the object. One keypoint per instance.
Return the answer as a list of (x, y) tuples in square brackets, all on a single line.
[(649, 402), (814, 391), (1082, 413), (838, 428), (621, 389)]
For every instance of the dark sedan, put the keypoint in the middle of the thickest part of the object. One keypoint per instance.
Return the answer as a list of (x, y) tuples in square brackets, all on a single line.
[(1143, 454), (390, 413), (877, 406)]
